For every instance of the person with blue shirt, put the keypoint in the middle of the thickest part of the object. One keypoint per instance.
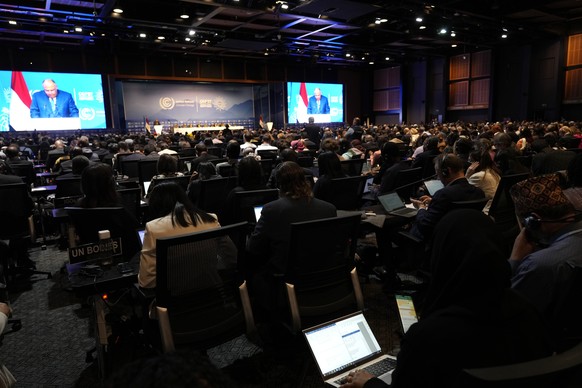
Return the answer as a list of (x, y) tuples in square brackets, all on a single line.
[(53, 102)]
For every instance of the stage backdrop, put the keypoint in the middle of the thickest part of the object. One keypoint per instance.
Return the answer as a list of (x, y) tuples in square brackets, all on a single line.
[(18, 87), (186, 104)]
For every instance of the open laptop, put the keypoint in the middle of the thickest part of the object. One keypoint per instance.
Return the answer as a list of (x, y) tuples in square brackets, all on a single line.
[(394, 205), (344, 344), (433, 186), (406, 311)]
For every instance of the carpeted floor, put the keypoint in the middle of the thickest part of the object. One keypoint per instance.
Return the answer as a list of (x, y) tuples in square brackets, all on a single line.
[(57, 331)]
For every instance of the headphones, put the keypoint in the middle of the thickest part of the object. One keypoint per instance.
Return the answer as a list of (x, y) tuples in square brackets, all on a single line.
[(532, 222), (444, 170)]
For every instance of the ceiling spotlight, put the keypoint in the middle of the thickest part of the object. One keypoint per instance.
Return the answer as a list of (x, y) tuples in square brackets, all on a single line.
[(380, 20), (504, 36), (371, 63), (187, 39), (453, 34), (387, 58), (12, 22), (142, 35), (443, 31), (161, 37), (184, 16), (65, 31), (422, 28), (266, 53), (191, 32), (78, 29), (117, 10), (282, 4), (348, 55), (453, 45), (419, 19)]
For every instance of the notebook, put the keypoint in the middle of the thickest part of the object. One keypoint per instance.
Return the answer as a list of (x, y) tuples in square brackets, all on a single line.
[(394, 205), (406, 311), (344, 344), (433, 186)]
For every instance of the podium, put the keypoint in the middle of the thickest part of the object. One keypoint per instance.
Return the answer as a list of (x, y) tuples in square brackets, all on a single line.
[(55, 123)]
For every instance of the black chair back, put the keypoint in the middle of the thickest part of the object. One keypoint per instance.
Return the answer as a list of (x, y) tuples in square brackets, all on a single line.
[(182, 181), (15, 209), (25, 171), (502, 209), (131, 200), (119, 222), (347, 192), (321, 275), (475, 204), (130, 168), (353, 167), (203, 304), (268, 154), (69, 187), (404, 183), (146, 169), (213, 193), (245, 202), (216, 151)]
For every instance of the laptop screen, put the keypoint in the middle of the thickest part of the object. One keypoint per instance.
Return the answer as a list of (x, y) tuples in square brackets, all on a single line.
[(433, 186), (141, 234), (342, 343), (391, 201), (258, 211), (368, 185)]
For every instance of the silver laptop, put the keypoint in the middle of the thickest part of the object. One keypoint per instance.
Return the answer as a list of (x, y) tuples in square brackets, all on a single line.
[(406, 311), (394, 205), (433, 186), (344, 344)]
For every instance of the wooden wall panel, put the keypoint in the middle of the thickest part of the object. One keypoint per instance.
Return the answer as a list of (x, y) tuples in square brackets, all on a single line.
[(481, 64), (380, 100), (381, 79), (459, 93), (573, 89), (394, 77), (480, 92), (459, 67), (394, 99), (574, 56)]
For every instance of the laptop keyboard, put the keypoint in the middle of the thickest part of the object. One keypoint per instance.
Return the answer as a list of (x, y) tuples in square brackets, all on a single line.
[(377, 369)]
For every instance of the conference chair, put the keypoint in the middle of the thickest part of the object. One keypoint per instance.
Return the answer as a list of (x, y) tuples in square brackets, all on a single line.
[(502, 208), (305, 161), (266, 168), (321, 281), (186, 152), (16, 227), (146, 170), (565, 314), (407, 182), (562, 370), (130, 168), (70, 187), (87, 222), (475, 204), (131, 201), (197, 305), (227, 170), (245, 202), (216, 151), (213, 193), (25, 171), (182, 181), (119, 163), (347, 192), (268, 154), (216, 161), (353, 167)]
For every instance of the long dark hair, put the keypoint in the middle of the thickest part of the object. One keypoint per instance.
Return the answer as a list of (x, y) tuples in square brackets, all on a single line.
[(170, 198), (98, 187), (329, 165)]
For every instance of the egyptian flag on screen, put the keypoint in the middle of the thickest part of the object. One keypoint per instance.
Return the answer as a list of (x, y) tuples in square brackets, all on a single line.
[(19, 103), (304, 99)]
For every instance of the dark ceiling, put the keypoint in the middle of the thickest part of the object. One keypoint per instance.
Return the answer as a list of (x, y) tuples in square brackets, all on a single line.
[(329, 31)]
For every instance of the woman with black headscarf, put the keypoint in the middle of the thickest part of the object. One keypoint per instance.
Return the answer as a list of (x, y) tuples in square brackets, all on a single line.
[(471, 318)]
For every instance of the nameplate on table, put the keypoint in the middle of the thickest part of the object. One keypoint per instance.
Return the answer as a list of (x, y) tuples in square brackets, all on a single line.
[(95, 251)]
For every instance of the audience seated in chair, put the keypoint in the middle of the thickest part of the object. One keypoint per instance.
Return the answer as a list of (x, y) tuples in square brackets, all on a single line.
[(548, 246), (269, 242), (249, 178), (484, 174), (470, 317), (174, 215), (329, 168)]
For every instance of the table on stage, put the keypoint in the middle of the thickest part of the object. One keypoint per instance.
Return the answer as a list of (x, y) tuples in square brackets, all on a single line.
[(199, 129)]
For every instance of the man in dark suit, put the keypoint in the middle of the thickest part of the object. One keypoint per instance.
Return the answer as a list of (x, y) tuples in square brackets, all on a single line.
[(52, 102), (318, 103), (270, 239), (449, 169), (313, 132), (426, 159), (202, 155)]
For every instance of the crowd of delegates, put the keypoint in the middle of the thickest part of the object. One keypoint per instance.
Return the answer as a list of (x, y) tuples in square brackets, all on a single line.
[(488, 299)]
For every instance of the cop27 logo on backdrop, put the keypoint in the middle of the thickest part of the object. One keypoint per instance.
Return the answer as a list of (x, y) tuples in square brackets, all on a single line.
[(167, 103), (87, 114)]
